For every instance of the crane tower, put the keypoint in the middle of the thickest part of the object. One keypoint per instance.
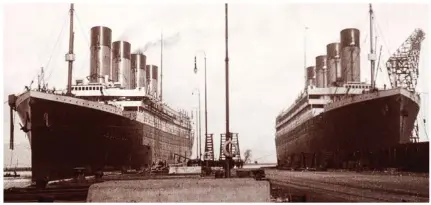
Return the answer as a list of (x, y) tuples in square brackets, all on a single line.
[(403, 67)]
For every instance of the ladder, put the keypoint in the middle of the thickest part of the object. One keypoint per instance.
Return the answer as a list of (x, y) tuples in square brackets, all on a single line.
[(209, 147)]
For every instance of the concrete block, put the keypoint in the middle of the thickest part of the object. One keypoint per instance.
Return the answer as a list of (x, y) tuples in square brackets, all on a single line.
[(181, 190)]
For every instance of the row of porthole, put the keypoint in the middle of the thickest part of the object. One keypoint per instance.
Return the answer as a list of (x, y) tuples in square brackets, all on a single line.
[(298, 123), (358, 86), (170, 139), (296, 115), (145, 122), (299, 119), (169, 143), (175, 140), (86, 88), (286, 117), (180, 124)]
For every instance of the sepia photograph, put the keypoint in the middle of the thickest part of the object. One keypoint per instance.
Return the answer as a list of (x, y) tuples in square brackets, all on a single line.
[(215, 101)]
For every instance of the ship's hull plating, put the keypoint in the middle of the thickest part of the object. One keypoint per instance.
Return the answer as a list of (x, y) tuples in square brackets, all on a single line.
[(65, 136), (340, 135)]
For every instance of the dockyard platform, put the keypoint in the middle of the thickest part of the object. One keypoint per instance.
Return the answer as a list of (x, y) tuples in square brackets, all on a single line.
[(348, 186), (296, 186)]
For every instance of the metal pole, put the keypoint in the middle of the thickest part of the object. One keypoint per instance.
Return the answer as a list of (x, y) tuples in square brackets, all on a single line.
[(70, 57), (206, 111), (197, 138), (372, 60), (198, 124), (227, 172), (11, 142), (200, 132)]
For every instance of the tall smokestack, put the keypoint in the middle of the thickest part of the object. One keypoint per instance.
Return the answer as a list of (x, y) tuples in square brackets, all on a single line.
[(152, 76), (321, 67), (138, 70), (100, 53), (147, 79), (121, 69), (334, 71), (350, 55), (311, 76)]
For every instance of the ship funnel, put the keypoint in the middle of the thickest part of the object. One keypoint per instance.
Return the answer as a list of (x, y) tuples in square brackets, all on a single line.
[(152, 80), (311, 81), (321, 68), (100, 54), (333, 56), (138, 70), (350, 55), (121, 70)]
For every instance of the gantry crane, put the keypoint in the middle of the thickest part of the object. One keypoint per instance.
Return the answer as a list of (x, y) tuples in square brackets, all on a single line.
[(403, 68)]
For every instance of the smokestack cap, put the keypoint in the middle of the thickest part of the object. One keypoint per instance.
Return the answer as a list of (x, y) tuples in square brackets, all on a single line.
[(350, 37), (152, 70), (138, 58), (333, 50), (310, 72), (121, 49), (321, 62), (101, 35)]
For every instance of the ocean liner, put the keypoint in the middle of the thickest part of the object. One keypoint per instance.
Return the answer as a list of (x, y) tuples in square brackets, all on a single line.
[(115, 119), (340, 122)]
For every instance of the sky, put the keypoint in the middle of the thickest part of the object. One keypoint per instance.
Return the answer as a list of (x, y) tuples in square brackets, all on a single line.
[(266, 54)]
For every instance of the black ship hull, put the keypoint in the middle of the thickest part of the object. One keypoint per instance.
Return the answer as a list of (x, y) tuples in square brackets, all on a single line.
[(363, 132), (64, 136)]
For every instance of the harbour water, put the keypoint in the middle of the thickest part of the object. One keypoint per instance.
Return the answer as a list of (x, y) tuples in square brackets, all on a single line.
[(22, 181)]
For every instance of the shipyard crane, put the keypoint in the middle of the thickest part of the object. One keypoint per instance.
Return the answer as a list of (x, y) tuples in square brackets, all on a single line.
[(403, 67)]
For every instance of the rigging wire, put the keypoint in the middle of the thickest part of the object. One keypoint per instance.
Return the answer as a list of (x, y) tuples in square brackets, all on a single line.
[(66, 20), (379, 30), (81, 26), (379, 68), (37, 72), (82, 29), (56, 43)]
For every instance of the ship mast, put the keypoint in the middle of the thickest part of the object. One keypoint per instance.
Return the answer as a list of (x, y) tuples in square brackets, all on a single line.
[(70, 57), (372, 56)]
